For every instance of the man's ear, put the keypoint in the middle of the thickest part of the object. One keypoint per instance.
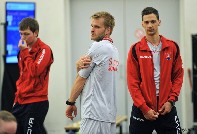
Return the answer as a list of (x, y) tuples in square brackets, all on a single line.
[(36, 33), (108, 31), (159, 22), (142, 24)]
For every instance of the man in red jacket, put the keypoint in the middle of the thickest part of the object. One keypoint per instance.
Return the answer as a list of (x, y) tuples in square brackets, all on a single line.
[(31, 98), (154, 78)]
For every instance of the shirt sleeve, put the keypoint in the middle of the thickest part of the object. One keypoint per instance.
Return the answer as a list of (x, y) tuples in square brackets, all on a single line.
[(133, 82), (96, 53), (84, 73), (177, 75), (38, 65)]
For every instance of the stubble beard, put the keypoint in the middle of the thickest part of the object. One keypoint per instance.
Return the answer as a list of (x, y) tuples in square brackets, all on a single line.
[(99, 38)]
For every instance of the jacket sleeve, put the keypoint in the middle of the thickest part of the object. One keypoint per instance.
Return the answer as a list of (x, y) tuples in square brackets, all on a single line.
[(133, 82), (177, 75), (38, 65)]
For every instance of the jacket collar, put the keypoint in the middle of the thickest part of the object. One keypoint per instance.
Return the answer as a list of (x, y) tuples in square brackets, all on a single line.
[(35, 46), (144, 45)]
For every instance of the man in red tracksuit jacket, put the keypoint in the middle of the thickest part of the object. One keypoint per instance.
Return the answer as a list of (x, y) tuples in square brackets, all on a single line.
[(154, 78), (31, 98)]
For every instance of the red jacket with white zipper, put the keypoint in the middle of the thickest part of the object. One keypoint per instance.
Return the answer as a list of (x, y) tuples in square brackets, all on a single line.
[(34, 65), (140, 75)]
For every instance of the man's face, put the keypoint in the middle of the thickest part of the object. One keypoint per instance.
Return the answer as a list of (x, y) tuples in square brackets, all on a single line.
[(98, 30), (8, 127), (28, 36), (150, 24)]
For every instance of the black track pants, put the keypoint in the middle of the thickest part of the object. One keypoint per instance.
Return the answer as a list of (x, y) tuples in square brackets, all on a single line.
[(30, 117), (165, 124)]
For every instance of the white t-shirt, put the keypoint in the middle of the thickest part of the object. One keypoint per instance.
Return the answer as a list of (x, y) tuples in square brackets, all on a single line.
[(156, 61), (98, 98)]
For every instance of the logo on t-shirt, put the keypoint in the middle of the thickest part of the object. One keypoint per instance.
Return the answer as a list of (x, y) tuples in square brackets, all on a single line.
[(113, 65)]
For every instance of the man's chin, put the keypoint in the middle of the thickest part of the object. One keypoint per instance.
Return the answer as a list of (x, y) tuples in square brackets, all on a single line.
[(96, 39), (151, 33)]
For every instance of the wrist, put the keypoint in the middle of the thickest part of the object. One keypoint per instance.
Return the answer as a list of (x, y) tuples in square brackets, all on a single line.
[(172, 103), (70, 103)]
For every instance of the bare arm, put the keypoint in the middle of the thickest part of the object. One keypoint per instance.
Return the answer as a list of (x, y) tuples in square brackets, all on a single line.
[(77, 88), (75, 92), (83, 62)]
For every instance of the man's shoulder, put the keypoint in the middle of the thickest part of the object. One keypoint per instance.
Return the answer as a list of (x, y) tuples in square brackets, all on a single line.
[(169, 40), (43, 45), (96, 45), (140, 42), (173, 44)]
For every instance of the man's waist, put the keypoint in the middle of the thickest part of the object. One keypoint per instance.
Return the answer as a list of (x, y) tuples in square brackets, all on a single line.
[(30, 99)]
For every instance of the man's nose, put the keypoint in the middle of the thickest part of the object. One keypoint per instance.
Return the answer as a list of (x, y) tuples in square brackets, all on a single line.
[(149, 25), (92, 29), (22, 37)]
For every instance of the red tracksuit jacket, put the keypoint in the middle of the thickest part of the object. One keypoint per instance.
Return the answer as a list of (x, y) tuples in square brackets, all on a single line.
[(140, 75), (34, 65)]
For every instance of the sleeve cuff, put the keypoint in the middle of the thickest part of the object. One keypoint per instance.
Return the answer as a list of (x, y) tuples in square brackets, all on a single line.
[(24, 53), (172, 98), (144, 108)]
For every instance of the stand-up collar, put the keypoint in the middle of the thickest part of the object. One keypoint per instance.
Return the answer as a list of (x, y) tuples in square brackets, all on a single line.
[(109, 39), (35, 46), (144, 45)]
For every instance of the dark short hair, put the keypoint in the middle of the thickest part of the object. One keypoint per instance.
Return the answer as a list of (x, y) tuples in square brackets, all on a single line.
[(30, 23), (150, 10)]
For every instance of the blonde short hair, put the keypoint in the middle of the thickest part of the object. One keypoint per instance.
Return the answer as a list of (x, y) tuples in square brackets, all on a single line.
[(7, 116), (109, 20)]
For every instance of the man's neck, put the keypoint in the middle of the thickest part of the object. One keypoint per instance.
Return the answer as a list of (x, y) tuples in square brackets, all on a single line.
[(154, 40), (32, 43)]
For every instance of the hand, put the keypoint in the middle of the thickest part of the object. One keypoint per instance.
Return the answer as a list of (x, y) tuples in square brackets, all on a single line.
[(166, 108), (83, 62), (22, 44), (69, 111), (151, 115)]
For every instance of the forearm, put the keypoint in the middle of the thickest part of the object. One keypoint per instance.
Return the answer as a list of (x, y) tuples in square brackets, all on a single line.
[(77, 88), (79, 64), (177, 80), (134, 81), (36, 65), (78, 69), (83, 62)]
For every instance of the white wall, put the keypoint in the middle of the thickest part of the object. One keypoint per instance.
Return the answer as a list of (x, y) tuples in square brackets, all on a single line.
[(127, 15), (188, 27), (55, 29), (1, 46), (53, 19)]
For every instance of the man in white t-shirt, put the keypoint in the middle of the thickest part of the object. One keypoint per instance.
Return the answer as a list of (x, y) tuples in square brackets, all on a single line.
[(97, 82)]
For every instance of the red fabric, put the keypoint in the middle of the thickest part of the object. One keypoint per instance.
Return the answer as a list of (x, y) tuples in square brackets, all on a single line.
[(141, 82), (34, 65)]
